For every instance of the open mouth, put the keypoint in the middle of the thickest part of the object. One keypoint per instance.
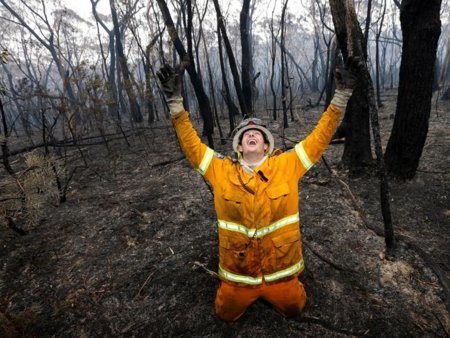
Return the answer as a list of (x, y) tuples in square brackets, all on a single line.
[(252, 142)]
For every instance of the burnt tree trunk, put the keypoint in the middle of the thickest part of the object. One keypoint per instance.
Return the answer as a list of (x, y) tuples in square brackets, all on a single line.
[(377, 54), (212, 91), (315, 62), (231, 60), (300, 71), (355, 46), (55, 51), (148, 71), (367, 27), (357, 152), (246, 55), (135, 110), (421, 27), (355, 126), (273, 54), (232, 109), (110, 71), (202, 98), (332, 52), (4, 141), (283, 70), (149, 97)]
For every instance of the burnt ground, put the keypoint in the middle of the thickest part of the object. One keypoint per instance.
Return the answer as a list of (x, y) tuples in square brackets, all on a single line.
[(131, 251)]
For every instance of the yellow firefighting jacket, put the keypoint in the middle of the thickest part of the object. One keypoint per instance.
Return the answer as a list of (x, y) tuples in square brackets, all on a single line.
[(258, 215)]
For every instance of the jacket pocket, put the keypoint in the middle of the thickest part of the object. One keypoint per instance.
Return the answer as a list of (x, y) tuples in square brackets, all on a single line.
[(287, 247), (278, 197), (233, 253), (230, 205), (233, 196), (278, 191)]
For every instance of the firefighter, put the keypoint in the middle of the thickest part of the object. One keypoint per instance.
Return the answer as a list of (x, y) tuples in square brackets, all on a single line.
[(256, 199)]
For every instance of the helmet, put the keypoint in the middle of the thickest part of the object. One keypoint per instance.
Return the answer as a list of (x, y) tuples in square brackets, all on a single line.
[(252, 123)]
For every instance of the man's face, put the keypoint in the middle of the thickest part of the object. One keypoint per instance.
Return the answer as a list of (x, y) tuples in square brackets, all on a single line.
[(252, 143)]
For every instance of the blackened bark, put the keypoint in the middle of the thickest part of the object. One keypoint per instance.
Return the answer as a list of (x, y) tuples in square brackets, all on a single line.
[(357, 152), (389, 237), (367, 27), (315, 63), (377, 54), (202, 98), (232, 109), (5, 158), (135, 110), (246, 55), (49, 43), (231, 60), (331, 65), (110, 71), (355, 125), (300, 71), (149, 97), (355, 45), (273, 55), (283, 69), (190, 39), (4, 142), (212, 92), (421, 27)]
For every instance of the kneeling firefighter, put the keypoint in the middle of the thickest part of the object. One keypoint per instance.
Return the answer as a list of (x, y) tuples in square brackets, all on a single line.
[(256, 199)]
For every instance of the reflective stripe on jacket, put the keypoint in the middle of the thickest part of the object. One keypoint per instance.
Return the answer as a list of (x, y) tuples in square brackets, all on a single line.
[(258, 215)]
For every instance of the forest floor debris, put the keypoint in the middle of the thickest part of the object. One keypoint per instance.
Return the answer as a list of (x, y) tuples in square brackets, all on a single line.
[(133, 251)]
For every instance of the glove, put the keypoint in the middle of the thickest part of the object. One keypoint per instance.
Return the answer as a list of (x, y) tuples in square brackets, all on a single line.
[(4, 56), (345, 79), (170, 79)]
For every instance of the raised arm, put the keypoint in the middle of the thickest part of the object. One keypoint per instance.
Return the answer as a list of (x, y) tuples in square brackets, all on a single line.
[(312, 147), (198, 154)]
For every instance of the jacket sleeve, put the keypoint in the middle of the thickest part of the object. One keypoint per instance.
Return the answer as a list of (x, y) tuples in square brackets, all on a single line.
[(199, 154), (309, 150)]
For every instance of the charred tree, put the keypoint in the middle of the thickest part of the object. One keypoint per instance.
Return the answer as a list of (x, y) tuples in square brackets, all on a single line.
[(50, 41), (202, 98), (421, 27), (246, 68), (377, 53), (273, 54), (149, 97), (367, 27), (300, 71), (212, 90), (315, 62), (283, 68), (110, 71), (4, 141), (355, 125), (135, 110), (231, 60), (352, 41), (232, 109), (329, 64)]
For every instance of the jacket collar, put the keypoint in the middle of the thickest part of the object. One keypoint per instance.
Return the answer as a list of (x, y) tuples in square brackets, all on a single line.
[(250, 168), (246, 173)]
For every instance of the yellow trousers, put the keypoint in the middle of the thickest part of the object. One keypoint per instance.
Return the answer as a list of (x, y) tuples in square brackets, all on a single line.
[(287, 297)]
